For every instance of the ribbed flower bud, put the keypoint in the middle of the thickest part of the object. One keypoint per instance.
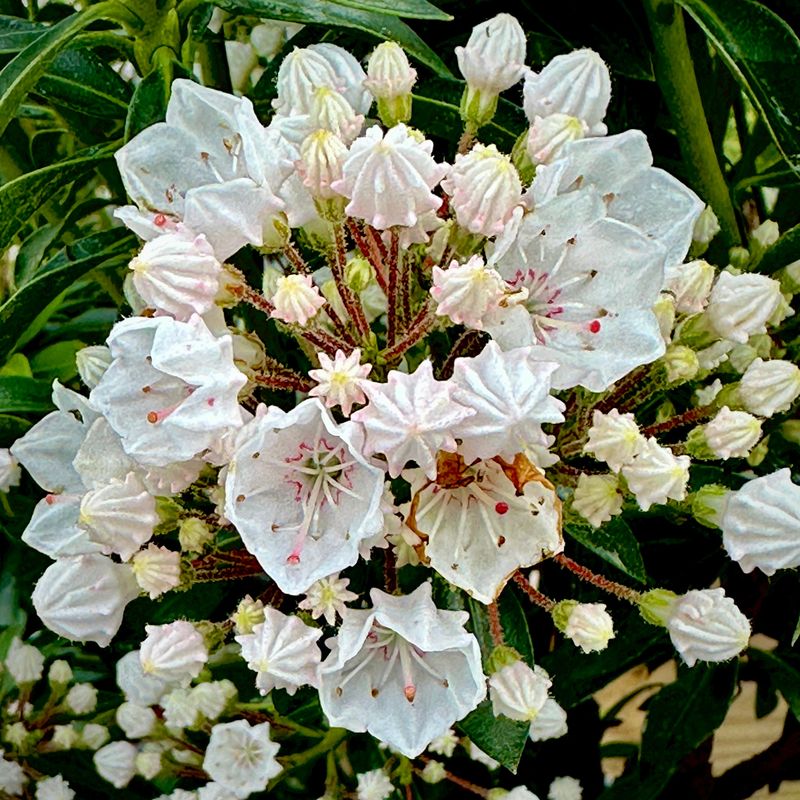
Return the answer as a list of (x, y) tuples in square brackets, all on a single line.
[(656, 475), (81, 699), (59, 674), (732, 434), (691, 284), (92, 363), (194, 534), (390, 78), (24, 662), (157, 569), (116, 763), (681, 363), (519, 692), (588, 625), (705, 625), (174, 652), (614, 438), (296, 299), (760, 523), (706, 227), (769, 387), (467, 293), (136, 721), (708, 504), (330, 111), (740, 305), (248, 614), (484, 188), (597, 498), (548, 135)]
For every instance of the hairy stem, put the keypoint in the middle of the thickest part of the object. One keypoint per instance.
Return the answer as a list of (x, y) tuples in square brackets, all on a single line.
[(534, 595), (601, 582)]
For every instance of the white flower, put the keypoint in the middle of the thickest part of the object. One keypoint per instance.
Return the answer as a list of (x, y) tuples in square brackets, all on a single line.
[(519, 692), (116, 763), (296, 299), (469, 293), (565, 788), (137, 686), (157, 569), (177, 273), (120, 516), (374, 785), (174, 652), (83, 598), (691, 285), (301, 494), (389, 75), (81, 699), (548, 135), (388, 178), (732, 434), (576, 84), (484, 188), (705, 625), (391, 664), (740, 305), (282, 651), (180, 709), (215, 791), (93, 736), (549, 723), (241, 757), (330, 111), (480, 529), (92, 362), (614, 438), (494, 57), (445, 744), (24, 662), (339, 379), (597, 498), (171, 390), (136, 721), (59, 674), (55, 788), (9, 470), (769, 387), (327, 597), (761, 523), (322, 155), (589, 626), (212, 697), (656, 475), (410, 418), (12, 777)]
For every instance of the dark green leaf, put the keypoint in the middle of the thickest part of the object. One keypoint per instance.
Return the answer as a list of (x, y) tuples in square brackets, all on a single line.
[(32, 250), (499, 737), (149, 103), (613, 542), (783, 252), (57, 361), (330, 14), (23, 72), (25, 395), (419, 9), (16, 34), (81, 81), (785, 675), (100, 251), (20, 198), (513, 621), (11, 428), (763, 53)]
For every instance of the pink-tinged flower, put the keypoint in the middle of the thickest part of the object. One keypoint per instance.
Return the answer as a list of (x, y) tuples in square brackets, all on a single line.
[(339, 379), (389, 73), (493, 59), (282, 651), (388, 178), (322, 155), (301, 494), (327, 598), (392, 664), (296, 299), (484, 188), (410, 418)]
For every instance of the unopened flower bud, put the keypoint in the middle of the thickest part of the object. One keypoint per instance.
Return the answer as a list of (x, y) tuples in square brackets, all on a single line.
[(24, 662), (116, 763), (248, 614), (708, 504), (64, 737), (358, 273), (548, 135), (690, 283), (175, 651), (322, 155), (390, 78), (765, 235), (614, 438), (59, 674), (769, 387), (706, 227), (518, 692), (656, 475), (331, 111), (81, 699), (739, 257), (705, 625), (157, 569), (433, 772), (17, 736), (732, 434), (93, 736), (588, 625), (148, 764), (194, 534), (664, 309), (296, 299), (597, 498), (136, 721), (681, 363), (565, 788), (740, 305), (92, 363)]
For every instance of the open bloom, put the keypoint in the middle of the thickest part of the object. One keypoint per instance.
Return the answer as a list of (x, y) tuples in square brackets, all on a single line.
[(339, 379), (403, 670), (301, 494)]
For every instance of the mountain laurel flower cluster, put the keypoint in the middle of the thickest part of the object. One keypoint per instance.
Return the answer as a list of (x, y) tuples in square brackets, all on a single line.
[(370, 379)]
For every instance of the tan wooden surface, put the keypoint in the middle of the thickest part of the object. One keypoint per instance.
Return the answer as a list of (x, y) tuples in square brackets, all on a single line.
[(740, 737)]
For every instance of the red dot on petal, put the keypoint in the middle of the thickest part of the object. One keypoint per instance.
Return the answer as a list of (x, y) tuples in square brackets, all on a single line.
[(159, 220), (594, 326), (501, 508)]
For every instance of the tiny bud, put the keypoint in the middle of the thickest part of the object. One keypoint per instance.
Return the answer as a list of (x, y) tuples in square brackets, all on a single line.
[(656, 606), (708, 504), (732, 434), (433, 772), (597, 498), (588, 625), (60, 674), (92, 363), (390, 78), (502, 656), (681, 363), (24, 662), (93, 736), (358, 273), (248, 614), (81, 698), (706, 227), (194, 534)]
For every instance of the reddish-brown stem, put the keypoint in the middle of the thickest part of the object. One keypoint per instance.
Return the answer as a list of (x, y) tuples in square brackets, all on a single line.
[(370, 252), (469, 343), (226, 565), (351, 302), (630, 381), (409, 793), (679, 420), (325, 341), (377, 243), (462, 782), (391, 317), (534, 595), (404, 276), (585, 574), (495, 625), (296, 260), (420, 325), (249, 295), (284, 381)]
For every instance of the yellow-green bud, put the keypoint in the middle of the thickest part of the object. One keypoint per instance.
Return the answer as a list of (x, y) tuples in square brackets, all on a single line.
[(358, 273), (681, 363), (656, 606), (707, 504), (194, 534), (502, 656)]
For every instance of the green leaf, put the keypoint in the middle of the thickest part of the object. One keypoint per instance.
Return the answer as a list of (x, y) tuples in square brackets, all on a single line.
[(782, 253), (614, 542), (513, 622), (32, 250), (16, 34), (418, 9), (11, 428), (20, 198), (149, 103), (99, 251), (25, 395), (81, 81), (331, 14), (23, 72), (499, 737), (763, 53), (785, 674), (57, 361)]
